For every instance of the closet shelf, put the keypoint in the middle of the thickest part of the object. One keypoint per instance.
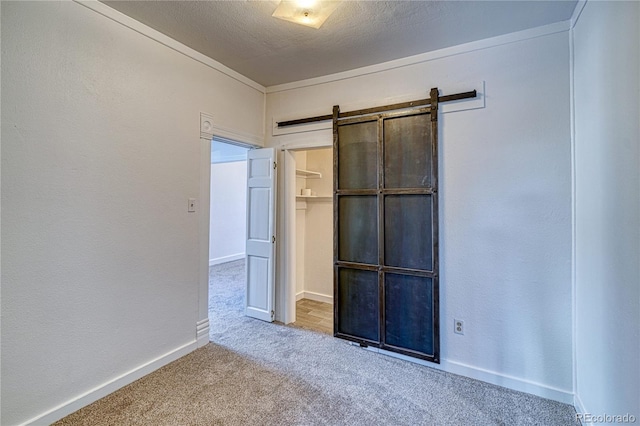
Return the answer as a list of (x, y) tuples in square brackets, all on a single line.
[(308, 174)]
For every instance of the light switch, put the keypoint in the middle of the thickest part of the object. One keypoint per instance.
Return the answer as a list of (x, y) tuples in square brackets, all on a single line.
[(192, 205)]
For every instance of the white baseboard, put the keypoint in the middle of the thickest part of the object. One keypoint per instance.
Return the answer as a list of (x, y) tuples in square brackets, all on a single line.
[(492, 377), (111, 386), (225, 259), (202, 332), (318, 297), (579, 406), (510, 382)]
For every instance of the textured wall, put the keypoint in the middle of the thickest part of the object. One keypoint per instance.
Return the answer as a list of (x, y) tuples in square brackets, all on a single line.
[(100, 152), (505, 198), (607, 202)]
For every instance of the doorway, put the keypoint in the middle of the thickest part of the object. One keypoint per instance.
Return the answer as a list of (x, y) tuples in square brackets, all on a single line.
[(314, 209), (227, 231), (312, 277)]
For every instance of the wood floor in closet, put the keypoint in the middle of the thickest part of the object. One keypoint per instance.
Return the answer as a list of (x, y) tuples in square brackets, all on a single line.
[(313, 315)]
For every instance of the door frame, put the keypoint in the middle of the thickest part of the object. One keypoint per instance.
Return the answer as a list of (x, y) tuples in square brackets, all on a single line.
[(285, 303), (286, 291), (208, 130)]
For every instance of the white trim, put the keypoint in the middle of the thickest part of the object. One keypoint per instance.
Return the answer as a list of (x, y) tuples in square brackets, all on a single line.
[(206, 125), (531, 33), (287, 232), (305, 141), (234, 135), (579, 406), (204, 220), (202, 332), (149, 32), (574, 292), (225, 259), (288, 255), (577, 12), (511, 382), (318, 297), (110, 386), (209, 130), (492, 377)]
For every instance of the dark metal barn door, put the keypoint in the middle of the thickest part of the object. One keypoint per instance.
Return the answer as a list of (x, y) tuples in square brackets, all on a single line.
[(386, 230)]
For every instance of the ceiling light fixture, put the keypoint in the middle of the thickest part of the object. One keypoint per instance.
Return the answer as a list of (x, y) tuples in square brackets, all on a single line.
[(311, 13)]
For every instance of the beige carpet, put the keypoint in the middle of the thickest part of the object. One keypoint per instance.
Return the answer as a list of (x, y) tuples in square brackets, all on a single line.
[(257, 373), (211, 386)]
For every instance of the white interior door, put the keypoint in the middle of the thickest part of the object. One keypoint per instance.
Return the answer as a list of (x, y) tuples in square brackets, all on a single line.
[(260, 250)]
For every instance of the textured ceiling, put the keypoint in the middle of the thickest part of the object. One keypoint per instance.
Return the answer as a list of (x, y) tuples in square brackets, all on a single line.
[(245, 37)]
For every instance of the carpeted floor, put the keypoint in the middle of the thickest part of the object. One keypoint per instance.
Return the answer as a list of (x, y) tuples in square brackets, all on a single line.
[(255, 373)]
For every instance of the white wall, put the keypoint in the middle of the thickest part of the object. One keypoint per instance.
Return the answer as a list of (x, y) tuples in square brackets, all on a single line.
[(100, 152), (228, 227), (607, 205), (505, 197)]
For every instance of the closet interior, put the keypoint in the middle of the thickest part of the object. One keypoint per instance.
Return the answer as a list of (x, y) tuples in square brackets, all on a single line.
[(314, 239)]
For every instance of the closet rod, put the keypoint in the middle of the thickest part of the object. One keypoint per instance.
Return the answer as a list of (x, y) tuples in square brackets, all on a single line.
[(420, 102)]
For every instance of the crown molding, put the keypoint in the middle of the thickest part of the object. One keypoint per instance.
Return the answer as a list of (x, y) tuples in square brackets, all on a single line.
[(531, 33), (577, 12), (157, 36)]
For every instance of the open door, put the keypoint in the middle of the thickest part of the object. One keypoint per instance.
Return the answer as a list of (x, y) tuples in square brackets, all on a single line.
[(260, 249)]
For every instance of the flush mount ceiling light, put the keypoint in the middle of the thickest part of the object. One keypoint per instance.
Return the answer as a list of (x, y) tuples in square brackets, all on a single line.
[(311, 13)]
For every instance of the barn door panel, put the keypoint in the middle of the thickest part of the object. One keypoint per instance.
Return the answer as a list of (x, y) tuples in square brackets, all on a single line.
[(385, 201)]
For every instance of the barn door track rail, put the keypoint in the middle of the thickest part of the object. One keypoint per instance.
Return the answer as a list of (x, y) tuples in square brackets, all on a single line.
[(402, 105)]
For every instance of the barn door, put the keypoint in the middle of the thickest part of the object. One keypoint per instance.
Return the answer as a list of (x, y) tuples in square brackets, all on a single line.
[(386, 231), (260, 248)]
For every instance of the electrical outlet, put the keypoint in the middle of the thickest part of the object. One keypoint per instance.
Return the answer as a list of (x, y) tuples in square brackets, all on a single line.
[(458, 326)]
